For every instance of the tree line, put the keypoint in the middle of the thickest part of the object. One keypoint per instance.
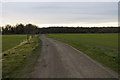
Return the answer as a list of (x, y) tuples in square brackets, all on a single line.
[(20, 29), (28, 29), (79, 30), (33, 29)]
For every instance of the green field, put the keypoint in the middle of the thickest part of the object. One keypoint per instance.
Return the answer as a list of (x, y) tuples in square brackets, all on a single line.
[(9, 41), (20, 60), (101, 47)]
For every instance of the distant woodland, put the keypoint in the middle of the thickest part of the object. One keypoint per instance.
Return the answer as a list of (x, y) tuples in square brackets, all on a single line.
[(33, 29)]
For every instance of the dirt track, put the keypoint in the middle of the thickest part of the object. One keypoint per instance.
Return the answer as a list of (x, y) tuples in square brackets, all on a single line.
[(59, 60)]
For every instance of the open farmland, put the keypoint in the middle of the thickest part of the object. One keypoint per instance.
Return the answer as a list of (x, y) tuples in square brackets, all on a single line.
[(9, 41), (100, 47)]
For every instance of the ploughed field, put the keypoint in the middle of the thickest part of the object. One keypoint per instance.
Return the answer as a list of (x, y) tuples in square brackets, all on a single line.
[(101, 47), (9, 41)]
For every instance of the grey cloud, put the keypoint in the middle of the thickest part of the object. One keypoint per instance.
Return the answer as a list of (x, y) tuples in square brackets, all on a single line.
[(62, 12)]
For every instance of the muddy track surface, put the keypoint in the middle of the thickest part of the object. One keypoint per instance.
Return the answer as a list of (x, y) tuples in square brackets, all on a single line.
[(59, 60)]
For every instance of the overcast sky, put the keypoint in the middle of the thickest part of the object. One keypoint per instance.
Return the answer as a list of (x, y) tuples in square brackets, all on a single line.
[(61, 13)]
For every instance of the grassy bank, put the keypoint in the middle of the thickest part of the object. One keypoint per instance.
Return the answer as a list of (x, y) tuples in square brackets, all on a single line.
[(9, 41), (101, 47), (19, 61)]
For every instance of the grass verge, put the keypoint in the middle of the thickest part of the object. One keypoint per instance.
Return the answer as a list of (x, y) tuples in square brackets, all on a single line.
[(19, 61)]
